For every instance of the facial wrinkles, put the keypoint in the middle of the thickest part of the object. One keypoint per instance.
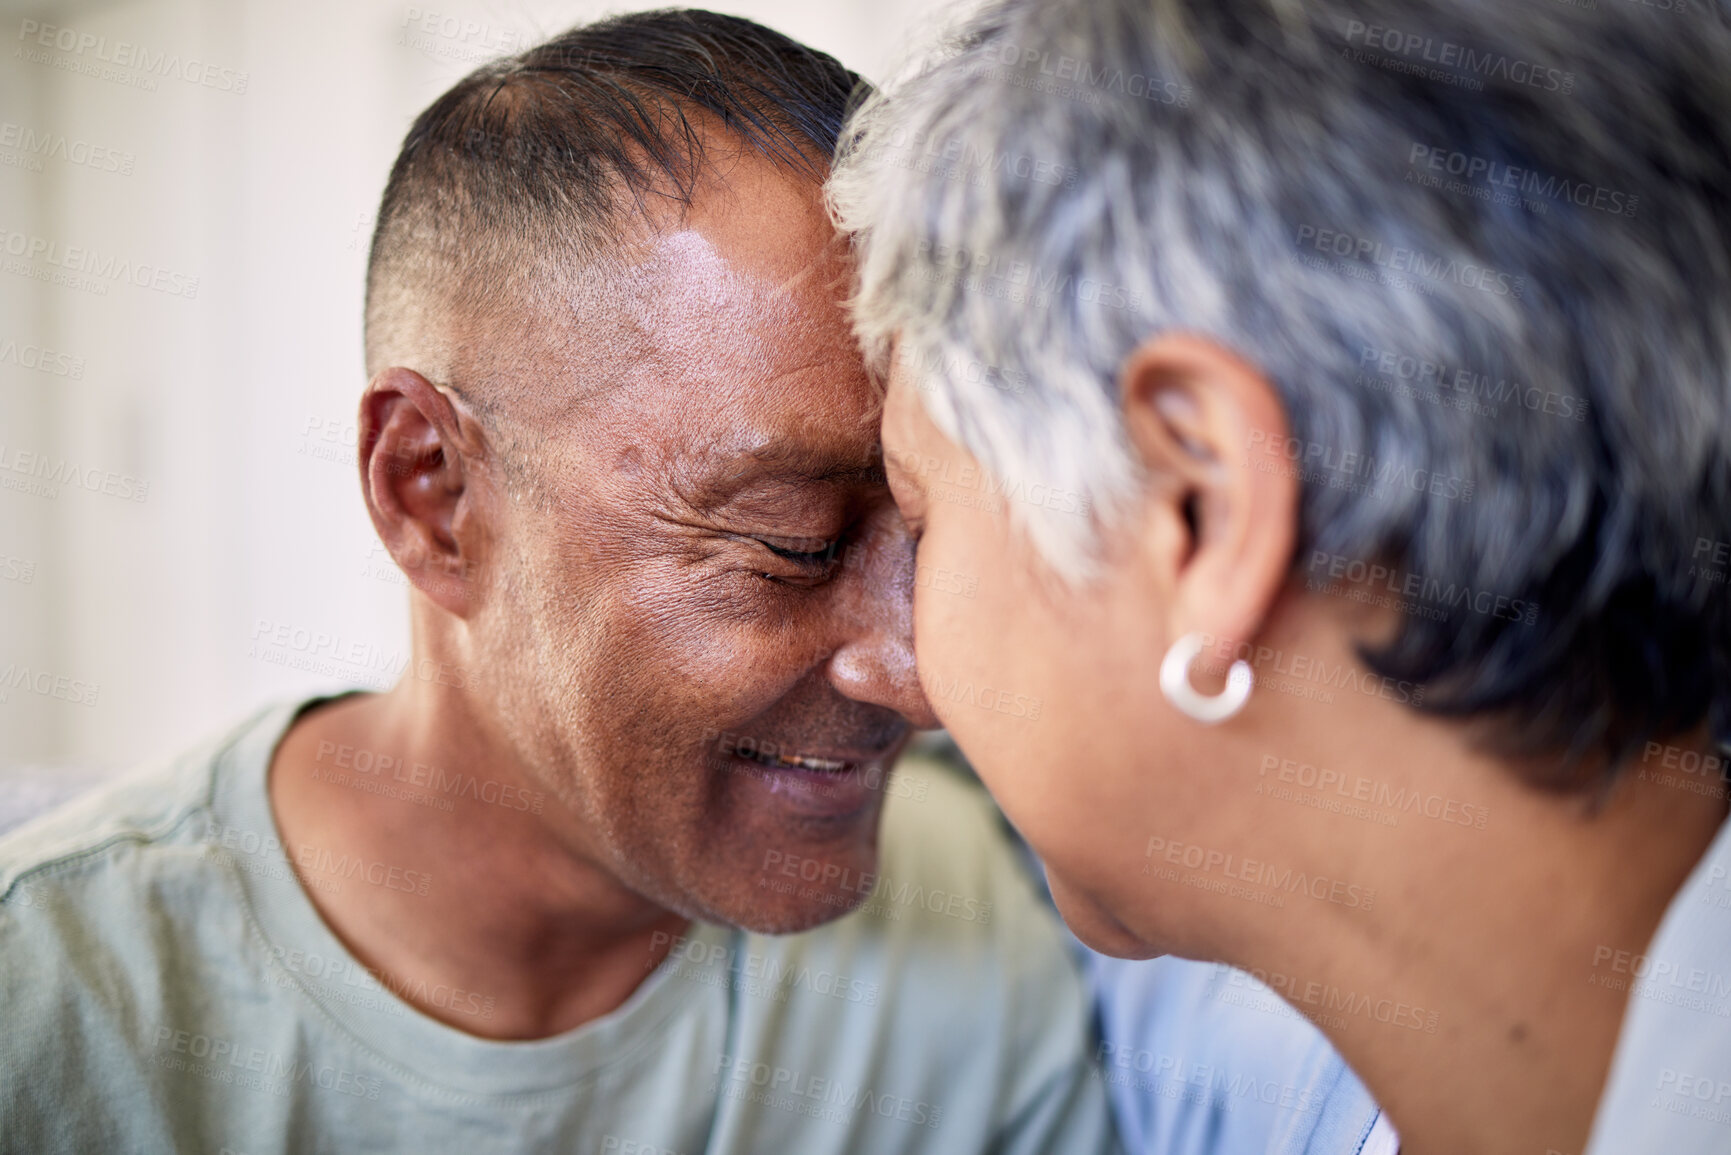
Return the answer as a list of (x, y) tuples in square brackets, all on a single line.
[(605, 625), (627, 637)]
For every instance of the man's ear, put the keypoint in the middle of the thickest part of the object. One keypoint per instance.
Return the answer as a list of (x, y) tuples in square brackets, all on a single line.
[(421, 459), (1223, 499)]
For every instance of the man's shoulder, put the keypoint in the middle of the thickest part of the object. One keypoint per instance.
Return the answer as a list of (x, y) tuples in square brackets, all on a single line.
[(143, 807), (118, 926), (111, 911)]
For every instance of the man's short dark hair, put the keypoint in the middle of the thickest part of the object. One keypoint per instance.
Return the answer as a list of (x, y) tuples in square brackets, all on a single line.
[(529, 160)]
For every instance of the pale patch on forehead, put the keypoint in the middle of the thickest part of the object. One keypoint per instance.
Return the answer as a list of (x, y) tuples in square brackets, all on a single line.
[(745, 282), (714, 345), (691, 261), (723, 306), (687, 291)]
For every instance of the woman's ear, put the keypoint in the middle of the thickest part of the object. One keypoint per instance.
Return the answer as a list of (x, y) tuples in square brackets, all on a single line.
[(420, 461), (1222, 508)]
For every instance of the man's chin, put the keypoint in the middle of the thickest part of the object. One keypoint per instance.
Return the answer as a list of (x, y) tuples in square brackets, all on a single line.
[(784, 889), (795, 919), (763, 912)]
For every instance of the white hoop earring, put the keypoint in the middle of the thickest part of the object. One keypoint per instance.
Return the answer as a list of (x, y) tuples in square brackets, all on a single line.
[(1205, 708)]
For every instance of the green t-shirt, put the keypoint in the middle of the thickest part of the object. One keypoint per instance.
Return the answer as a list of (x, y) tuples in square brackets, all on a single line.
[(166, 985)]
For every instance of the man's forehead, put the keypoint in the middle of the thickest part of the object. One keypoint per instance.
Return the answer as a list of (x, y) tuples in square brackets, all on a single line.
[(691, 312), (753, 239), (685, 290), (745, 371), (759, 216), (714, 470), (716, 350)]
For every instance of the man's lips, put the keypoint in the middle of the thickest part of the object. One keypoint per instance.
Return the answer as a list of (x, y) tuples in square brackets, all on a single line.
[(823, 778), (821, 763)]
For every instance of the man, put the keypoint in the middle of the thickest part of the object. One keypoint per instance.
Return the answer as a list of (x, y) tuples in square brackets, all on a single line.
[(619, 439)]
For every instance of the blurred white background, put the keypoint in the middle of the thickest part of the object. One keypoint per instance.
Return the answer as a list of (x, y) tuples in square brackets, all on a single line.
[(187, 190)]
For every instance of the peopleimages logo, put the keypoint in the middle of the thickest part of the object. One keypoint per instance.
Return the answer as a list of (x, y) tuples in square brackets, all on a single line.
[(1458, 64), (329, 654), (1012, 279), (227, 1061), (1321, 1001), (1321, 464), (1398, 259), (761, 974), (1076, 79), (1711, 561), (816, 1096), (1342, 675), (926, 364), (1500, 176), (46, 684), (883, 890), (354, 866), (1706, 1088), (41, 359), (964, 692), (1458, 385), (453, 37), (123, 54), (1660, 973), (1228, 1088), (38, 145), (1256, 872), (613, 1143), (956, 158), (1327, 570), (47, 474), (942, 474), (1358, 788), (88, 262)]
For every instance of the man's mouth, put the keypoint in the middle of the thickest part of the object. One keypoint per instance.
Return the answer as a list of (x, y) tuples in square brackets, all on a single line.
[(837, 781), (782, 761)]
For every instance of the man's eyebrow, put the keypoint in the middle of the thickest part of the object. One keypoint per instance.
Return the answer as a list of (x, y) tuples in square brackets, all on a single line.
[(714, 475)]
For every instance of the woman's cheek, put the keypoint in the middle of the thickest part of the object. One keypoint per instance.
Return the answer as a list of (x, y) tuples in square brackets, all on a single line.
[(964, 628)]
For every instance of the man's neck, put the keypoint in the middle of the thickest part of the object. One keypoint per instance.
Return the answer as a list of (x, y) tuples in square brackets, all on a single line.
[(1479, 998), (476, 894)]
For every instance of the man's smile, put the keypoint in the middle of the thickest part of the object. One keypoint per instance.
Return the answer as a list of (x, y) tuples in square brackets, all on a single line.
[(781, 759), (827, 782)]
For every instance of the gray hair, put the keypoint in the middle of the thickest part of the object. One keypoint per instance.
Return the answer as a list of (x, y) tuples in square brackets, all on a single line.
[(1401, 213)]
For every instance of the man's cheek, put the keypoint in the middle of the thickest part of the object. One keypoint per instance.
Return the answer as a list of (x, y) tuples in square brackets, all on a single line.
[(734, 683)]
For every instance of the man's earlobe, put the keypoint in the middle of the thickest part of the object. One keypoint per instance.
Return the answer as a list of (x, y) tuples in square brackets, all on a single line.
[(420, 461), (1221, 511)]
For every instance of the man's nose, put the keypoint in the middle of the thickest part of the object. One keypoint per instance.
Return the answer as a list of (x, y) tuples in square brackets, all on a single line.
[(875, 659)]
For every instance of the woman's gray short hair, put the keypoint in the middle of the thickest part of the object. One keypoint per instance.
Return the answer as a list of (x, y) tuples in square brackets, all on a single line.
[(1479, 246)]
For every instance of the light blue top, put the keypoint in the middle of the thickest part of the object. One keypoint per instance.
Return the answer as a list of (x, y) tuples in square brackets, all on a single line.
[(1670, 1084), (1202, 1059)]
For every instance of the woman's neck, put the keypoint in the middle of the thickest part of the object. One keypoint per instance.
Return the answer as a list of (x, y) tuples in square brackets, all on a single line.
[(1481, 996)]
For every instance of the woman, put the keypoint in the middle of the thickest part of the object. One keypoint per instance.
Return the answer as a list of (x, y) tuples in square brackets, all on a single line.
[(1332, 403)]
